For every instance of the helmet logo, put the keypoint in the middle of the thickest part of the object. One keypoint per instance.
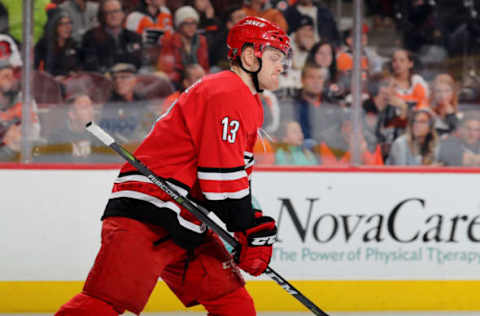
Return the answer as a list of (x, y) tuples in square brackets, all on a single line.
[(255, 23)]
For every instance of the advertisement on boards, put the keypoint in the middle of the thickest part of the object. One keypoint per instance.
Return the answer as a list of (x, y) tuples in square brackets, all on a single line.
[(378, 226)]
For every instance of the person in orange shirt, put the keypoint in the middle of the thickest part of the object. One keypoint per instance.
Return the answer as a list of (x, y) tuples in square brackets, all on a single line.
[(337, 151), (409, 86), (257, 8), (345, 55), (151, 19), (11, 113)]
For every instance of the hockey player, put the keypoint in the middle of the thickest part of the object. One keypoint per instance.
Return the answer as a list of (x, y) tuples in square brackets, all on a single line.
[(203, 146)]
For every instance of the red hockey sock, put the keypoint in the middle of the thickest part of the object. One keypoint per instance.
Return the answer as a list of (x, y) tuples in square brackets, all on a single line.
[(237, 303), (84, 305)]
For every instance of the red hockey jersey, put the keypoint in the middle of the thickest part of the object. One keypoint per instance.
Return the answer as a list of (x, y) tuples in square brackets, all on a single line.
[(203, 145)]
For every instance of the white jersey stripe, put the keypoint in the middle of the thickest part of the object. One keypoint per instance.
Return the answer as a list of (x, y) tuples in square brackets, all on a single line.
[(161, 204), (141, 178), (214, 196), (223, 176)]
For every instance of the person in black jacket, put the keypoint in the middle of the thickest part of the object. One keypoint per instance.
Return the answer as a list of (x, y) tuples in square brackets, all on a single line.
[(111, 42), (57, 52), (325, 25)]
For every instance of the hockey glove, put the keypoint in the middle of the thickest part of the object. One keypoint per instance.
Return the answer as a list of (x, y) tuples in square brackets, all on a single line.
[(256, 246)]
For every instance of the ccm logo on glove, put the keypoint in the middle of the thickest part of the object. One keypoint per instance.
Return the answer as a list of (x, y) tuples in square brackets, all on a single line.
[(263, 241), (256, 245)]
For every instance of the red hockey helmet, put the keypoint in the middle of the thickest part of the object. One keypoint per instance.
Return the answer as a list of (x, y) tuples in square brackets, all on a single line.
[(259, 32)]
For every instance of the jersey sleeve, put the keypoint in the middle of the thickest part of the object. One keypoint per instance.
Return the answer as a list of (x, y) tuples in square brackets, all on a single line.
[(222, 149)]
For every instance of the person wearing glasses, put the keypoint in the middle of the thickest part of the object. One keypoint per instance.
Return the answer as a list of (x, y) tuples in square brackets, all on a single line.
[(184, 47), (57, 52), (111, 43)]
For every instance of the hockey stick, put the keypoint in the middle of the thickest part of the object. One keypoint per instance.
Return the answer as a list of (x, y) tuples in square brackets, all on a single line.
[(200, 212)]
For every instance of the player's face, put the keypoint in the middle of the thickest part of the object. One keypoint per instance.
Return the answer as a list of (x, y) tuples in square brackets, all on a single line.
[(273, 62)]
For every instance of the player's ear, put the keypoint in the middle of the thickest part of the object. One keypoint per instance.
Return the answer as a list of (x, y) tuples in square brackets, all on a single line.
[(249, 59)]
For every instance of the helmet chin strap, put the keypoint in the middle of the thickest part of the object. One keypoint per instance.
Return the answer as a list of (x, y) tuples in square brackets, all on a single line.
[(254, 74)]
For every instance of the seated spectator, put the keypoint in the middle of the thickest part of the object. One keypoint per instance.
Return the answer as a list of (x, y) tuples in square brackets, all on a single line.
[(345, 55), (315, 116), (218, 50), (258, 8), (72, 139), (9, 49), (385, 112), (152, 19), (444, 102), (11, 113), (123, 113), (209, 24), (325, 26), (83, 14), (337, 147), (301, 41), (462, 148), (191, 74), (409, 86), (57, 52), (419, 145), (322, 54), (110, 42), (291, 150), (184, 47)]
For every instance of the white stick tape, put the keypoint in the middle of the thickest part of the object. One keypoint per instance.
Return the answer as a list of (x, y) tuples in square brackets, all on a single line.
[(98, 132)]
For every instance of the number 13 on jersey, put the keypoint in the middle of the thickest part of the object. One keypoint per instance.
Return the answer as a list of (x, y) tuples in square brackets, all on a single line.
[(229, 129)]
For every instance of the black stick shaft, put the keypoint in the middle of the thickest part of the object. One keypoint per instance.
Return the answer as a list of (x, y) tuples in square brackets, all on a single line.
[(200, 212)]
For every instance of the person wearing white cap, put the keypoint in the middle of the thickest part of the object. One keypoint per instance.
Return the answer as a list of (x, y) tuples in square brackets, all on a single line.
[(184, 47)]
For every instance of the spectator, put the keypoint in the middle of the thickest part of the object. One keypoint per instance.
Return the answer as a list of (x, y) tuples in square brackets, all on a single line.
[(57, 52), (345, 55), (462, 148), (257, 8), (444, 102), (11, 112), (291, 151), (315, 116), (419, 145), (271, 112), (409, 86), (123, 113), (209, 25), (110, 42), (83, 14), (325, 25), (191, 74), (72, 140), (152, 19), (323, 54), (9, 49), (302, 40), (384, 112), (218, 50), (184, 47), (337, 147)]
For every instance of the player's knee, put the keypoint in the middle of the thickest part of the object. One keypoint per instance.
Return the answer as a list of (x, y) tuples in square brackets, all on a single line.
[(84, 305), (237, 303)]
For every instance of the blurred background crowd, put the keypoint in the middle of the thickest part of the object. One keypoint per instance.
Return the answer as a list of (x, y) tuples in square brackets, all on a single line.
[(123, 63)]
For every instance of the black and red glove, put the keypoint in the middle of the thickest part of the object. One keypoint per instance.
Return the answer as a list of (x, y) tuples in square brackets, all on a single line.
[(256, 245)]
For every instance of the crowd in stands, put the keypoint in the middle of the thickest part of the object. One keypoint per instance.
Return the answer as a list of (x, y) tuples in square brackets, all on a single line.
[(123, 64)]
